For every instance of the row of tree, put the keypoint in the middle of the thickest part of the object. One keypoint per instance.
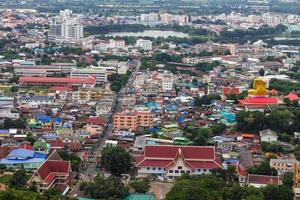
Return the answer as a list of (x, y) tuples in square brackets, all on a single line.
[(280, 120)]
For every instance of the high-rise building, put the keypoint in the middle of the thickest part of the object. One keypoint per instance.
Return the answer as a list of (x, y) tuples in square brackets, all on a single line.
[(65, 28), (144, 44), (151, 17)]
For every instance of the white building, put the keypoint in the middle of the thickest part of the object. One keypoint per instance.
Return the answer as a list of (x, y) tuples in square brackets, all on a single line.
[(167, 82), (144, 44), (170, 162), (268, 136), (65, 28), (151, 17), (99, 74)]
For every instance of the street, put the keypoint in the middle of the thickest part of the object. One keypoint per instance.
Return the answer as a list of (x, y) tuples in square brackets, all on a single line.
[(91, 170)]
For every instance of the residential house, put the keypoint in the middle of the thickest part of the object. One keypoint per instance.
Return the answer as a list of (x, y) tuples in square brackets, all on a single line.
[(268, 135), (41, 147), (283, 165)]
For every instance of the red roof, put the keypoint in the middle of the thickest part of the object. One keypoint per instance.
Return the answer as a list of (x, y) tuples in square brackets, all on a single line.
[(52, 168), (56, 144), (195, 157), (188, 152), (264, 180), (292, 96), (95, 120), (259, 101), (28, 79), (60, 88), (26, 146), (231, 90), (89, 80), (241, 171)]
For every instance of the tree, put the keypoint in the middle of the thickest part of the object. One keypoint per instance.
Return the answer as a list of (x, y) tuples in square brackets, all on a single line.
[(218, 128), (263, 169), (209, 187), (73, 158), (272, 192), (140, 186), (112, 187), (116, 160), (14, 89), (287, 179), (19, 179)]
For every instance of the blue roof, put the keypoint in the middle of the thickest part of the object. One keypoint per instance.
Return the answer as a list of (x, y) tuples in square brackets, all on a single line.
[(42, 118), (20, 154), (24, 154), (4, 131), (57, 120), (31, 160), (42, 98), (181, 119)]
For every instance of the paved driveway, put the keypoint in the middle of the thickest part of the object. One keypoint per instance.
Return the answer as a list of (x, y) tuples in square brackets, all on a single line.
[(160, 189)]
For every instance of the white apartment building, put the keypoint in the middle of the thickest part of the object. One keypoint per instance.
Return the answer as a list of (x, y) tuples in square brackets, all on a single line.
[(169, 18), (65, 28), (99, 74), (167, 82), (144, 44), (151, 17)]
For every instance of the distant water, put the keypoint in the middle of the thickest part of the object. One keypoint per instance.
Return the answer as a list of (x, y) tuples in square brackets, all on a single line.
[(148, 33)]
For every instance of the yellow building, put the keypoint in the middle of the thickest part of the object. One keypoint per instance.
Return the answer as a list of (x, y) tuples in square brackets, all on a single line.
[(91, 94), (297, 180)]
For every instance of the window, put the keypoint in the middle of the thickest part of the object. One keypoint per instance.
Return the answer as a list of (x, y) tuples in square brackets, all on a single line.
[(182, 171), (176, 171), (179, 167), (154, 168), (204, 170), (148, 168), (159, 168), (170, 171), (188, 171)]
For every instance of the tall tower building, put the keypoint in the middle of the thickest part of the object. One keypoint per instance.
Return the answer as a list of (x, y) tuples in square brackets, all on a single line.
[(65, 28)]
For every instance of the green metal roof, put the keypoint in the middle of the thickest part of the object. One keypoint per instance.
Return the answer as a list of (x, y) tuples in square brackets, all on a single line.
[(40, 144)]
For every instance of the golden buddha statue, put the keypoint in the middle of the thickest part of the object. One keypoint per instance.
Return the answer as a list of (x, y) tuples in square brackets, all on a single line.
[(259, 86)]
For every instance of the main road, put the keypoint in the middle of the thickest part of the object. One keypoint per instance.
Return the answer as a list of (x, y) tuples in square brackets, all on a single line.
[(90, 171)]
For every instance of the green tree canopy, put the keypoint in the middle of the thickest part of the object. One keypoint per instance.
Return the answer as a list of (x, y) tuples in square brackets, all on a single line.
[(116, 160), (105, 188)]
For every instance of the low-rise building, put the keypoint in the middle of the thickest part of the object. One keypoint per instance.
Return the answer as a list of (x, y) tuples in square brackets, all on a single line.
[(268, 135), (133, 120), (283, 165), (53, 172), (170, 162)]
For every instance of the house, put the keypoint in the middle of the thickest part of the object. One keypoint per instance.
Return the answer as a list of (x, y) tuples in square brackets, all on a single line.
[(42, 147), (53, 173), (259, 181), (268, 135), (170, 161), (283, 165), (23, 158), (242, 174), (292, 96), (231, 90)]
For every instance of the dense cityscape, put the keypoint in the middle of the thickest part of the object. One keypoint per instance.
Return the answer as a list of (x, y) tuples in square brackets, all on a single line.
[(150, 100)]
